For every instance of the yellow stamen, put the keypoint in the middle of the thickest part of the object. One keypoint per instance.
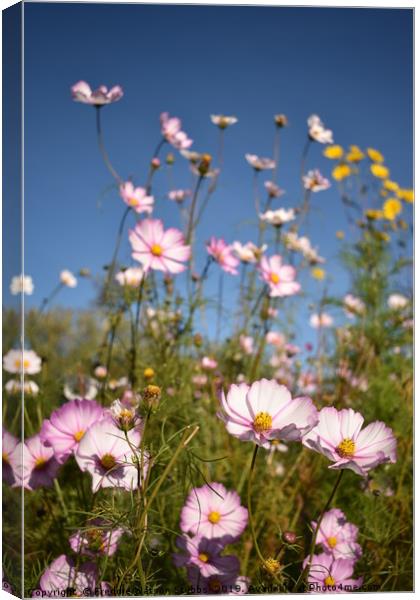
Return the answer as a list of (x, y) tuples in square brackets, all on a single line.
[(78, 435), (262, 422), (203, 557), (40, 462), (156, 250), (17, 363), (108, 461), (329, 580), (274, 278), (133, 201), (332, 542), (346, 448), (5, 457), (272, 565), (26, 364), (214, 517)]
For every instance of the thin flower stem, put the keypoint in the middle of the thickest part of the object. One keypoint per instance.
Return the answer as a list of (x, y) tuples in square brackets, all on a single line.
[(305, 573), (47, 300), (116, 249), (190, 227), (304, 157), (249, 502), (103, 149), (276, 154), (219, 306)]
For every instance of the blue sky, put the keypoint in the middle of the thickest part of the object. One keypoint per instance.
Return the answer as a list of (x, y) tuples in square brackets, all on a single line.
[(353, 67)]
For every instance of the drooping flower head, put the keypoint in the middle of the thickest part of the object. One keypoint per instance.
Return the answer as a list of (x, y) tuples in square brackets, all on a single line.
[(97, 538), (330, 575), (259, 163), (39, 466), (136, 197), (223, 255), (21, 284), (82, 92), (14, 386), (18, 361), (338, 536), (280, 278), (212, 511), (68, 424), (318, 132), (158, 249), (131, 277), (315, 182), (171, 131), (205, 554), (339, 436), (266, 411), (112, 461)]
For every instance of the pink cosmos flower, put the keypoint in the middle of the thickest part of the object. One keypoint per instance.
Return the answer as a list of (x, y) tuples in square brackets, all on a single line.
[(246, 342), (307, 382), (62, 576), (275, 339), (330, 575), (353, 306), (158, 249), (259, 163), (338, 536), (136, 197), (321, 320), (208, 363), (249, 252), (98, 538), (171, 131), (315, 182), (212, 511), (339, 436), (10, 450), (229, 583), (273, 189), (266, 411), (179, 195), (39, 466), (223, 255), (204, 553), (113, 462), (67, 425), (82, 92), (280, 278)]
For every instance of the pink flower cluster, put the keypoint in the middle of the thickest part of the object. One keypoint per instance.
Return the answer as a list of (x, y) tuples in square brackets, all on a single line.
[(211, 518), (171, 131)]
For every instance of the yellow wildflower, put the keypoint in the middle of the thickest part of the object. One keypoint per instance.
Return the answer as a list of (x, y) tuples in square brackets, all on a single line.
[(379, 171), (333, 152), (391, 186), (392, 207), (318, 273), (355, 154), (375, 155), (340, 172), (148, 373), (407, 195)]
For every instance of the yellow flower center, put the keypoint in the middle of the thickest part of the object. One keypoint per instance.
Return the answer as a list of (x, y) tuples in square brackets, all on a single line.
[(5, 457), (133, 201), (262, 422), (214, 517), (17, 363), (40, 462), (203, 557), (26, 364), (78, 435), (274, 278), (156, 250), (329, 580), (272, 565), (332, 542), (108, 461), (346, 448)]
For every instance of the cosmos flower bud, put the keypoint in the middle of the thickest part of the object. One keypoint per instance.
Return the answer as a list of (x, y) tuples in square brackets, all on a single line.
[(170, 159), (151, 395), (204, 164), (289, 537), (281, 120), (155, 163)]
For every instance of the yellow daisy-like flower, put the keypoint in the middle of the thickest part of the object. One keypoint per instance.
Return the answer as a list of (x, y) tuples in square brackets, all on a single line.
[(374, 214), (340, 172), (148, 373), (391, 186), (375, 155), (333, 152), (392, 208), (318, 273), (355, 154), (407, 195), (339, 235), (379, 171)]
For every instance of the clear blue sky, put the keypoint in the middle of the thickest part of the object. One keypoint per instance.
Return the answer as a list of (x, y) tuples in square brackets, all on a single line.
[(351, 66)]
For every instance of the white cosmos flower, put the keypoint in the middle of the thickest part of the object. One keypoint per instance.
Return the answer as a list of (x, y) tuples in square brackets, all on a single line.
[(318, 132), (68, 279), (315, 182), (14, 386), (353, 305), (321, 320), (259, 163), (18, 361), (278, 217), (249, 252), (131, 277), (21, 284), (397, 301), (222, 121)]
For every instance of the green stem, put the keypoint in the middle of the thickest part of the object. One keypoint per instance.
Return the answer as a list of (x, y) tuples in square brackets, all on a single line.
[(249, 502), (102, 147)]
